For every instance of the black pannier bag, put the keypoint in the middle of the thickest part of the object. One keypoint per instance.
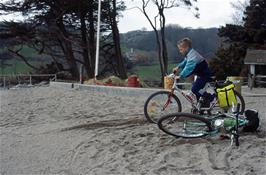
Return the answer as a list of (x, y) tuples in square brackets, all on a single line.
[(253, 117)]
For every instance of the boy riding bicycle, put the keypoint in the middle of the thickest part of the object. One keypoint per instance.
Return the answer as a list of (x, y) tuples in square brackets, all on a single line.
[(195, 64)]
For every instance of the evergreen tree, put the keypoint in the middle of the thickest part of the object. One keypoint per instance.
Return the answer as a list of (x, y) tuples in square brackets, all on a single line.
[(64, 30), (237, 39)]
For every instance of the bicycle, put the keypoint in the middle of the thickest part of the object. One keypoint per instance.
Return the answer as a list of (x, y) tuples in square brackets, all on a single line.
[(187, 125), (165, 101)]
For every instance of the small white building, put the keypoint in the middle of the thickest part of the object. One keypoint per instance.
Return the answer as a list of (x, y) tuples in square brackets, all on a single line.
[(256, 59)]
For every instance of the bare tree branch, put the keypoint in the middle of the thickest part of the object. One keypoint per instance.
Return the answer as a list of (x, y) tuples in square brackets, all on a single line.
[(16, 53)]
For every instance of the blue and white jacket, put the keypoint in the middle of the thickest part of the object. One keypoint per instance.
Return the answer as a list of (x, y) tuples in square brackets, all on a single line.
[(190, 62)]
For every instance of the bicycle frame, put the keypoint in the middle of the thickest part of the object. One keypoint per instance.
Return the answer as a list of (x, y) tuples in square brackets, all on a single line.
[(196, 105), (241, 121)]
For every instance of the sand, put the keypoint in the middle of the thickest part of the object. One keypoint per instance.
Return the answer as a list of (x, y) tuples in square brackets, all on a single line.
[(47, 130)]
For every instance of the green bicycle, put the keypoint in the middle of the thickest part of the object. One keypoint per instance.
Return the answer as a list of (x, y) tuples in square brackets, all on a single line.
[(188, 125)]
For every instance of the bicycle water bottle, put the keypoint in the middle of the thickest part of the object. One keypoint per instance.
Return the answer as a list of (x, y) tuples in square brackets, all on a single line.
[(229, 122)]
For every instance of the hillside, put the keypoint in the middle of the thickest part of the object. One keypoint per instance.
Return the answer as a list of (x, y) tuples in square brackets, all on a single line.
[(204, 41), (141, 43)]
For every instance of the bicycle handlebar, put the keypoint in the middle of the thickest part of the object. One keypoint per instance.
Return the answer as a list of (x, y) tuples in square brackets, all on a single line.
[(172, 75)]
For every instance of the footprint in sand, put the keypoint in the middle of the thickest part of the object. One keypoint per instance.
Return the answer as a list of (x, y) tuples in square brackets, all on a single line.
[(218, 158)]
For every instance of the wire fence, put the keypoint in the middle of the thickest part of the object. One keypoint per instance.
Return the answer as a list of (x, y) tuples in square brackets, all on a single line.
[(255, 81), (7, 81)]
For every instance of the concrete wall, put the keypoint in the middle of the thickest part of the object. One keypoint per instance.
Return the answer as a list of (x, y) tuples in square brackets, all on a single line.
[(61, 85), (109, 90)]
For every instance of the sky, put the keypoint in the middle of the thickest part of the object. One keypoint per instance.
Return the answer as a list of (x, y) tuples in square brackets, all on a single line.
[(213, 13)]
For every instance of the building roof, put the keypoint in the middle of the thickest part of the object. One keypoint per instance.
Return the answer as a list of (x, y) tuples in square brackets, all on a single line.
[(255, 57)]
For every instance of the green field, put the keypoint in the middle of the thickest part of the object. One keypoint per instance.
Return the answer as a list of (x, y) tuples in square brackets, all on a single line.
[(151, 72), (17, 67)]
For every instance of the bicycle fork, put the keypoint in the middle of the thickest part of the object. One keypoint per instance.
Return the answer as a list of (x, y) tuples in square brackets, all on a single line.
[(168, 100), (234, 136)]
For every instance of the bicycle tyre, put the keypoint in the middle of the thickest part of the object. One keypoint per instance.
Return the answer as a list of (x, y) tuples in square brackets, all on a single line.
[(200, 126), (242, 102), (152, 96)]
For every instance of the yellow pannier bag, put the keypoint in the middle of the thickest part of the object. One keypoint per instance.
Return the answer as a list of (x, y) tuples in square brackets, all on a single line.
[(226, 96)]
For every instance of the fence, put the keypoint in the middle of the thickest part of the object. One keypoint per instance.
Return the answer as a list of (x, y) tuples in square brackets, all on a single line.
[(251, 81), (29, 79), (256, 80)]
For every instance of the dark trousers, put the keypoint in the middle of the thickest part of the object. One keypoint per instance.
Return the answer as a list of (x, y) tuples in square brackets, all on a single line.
[(203, 76), (198, 85)]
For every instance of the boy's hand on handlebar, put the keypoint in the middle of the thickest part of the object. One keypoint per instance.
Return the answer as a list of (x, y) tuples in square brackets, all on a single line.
[(175, 70), (177, 77)]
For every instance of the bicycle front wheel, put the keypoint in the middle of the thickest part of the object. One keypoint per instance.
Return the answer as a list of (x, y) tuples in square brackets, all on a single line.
[(184, 125), (159, 104)]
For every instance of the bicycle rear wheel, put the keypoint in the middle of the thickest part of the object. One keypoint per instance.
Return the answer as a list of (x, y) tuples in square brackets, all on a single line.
[(185, 125), (159, 104)]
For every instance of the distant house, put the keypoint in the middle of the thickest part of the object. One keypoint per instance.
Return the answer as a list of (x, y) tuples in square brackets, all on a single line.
[(256, 59)]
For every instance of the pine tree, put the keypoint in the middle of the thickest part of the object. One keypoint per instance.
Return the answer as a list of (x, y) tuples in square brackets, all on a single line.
[(64, 30), (237, 39), (255, 21)]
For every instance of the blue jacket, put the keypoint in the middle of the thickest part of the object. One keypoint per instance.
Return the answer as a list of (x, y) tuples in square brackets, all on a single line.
[(191, 63)]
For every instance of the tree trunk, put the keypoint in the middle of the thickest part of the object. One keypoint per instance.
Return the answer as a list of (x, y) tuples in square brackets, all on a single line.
[(164, 47), (116, 39), (157, 40), (160, 55), (84, 45), (66, 46), (92, 47)]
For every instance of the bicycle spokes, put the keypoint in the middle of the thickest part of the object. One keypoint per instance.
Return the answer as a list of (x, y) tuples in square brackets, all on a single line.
[(167, 103), (184, 127)]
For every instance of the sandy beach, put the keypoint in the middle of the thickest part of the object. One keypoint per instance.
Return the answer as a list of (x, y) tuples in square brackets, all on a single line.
[(45, 130)]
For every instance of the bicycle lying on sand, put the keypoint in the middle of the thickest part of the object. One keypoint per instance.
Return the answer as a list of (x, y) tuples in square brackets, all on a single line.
[(165, 101), (187, 125)]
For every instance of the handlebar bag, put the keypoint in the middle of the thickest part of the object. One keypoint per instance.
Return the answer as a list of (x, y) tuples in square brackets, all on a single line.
[(226, 96)]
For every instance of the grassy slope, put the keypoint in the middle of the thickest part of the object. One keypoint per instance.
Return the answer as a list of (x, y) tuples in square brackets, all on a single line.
[(151, 72), (19, 66)]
